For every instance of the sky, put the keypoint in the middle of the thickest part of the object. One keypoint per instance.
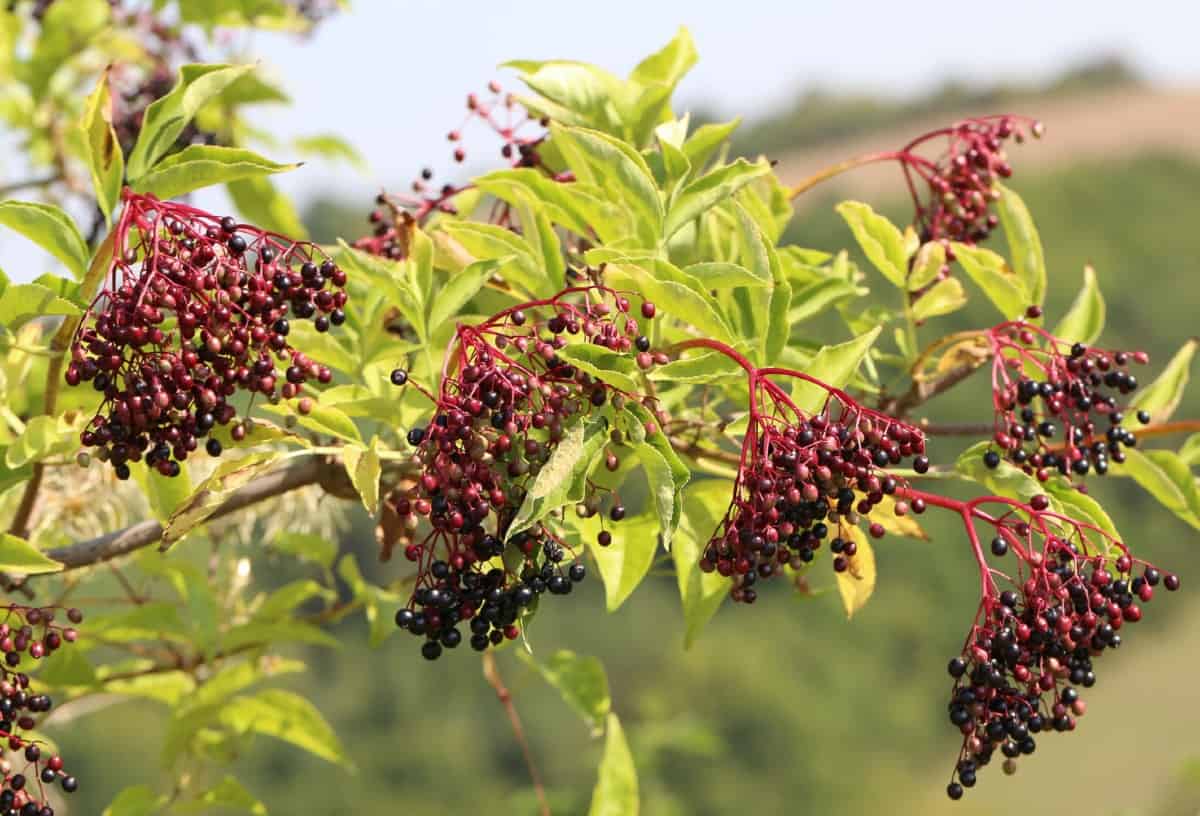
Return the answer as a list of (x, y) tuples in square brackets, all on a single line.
[(390, 76)]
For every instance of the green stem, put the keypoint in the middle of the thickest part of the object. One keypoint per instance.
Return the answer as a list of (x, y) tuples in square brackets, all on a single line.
[(836, 170)]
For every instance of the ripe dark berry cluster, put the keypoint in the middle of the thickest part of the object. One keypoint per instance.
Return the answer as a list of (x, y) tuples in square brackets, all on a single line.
[(1034, 645), (504, 406), (32, 632), (802, 480), (1059, 406), (195, 309), (520, 135), (961, 182)]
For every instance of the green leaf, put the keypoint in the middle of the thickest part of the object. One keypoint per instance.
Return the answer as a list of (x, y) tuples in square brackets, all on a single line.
[(201, 166), (556, 481), (1189, 453), (616, 791), (392, 277), (613, 165), (22, 302), (229, 794), (307, 546), (163, 494), (817, 297), (834, 366), (362, 464), (1167, 478), (856, 583), (281, 602), (663, 492), (321, 419), (573, 93), (1004, 289), (581, 681), (942, 298), (709, 190), (686, 299), (617, 370), (1084, 321), (230, 475), (66, 668), (1004, 480), (701, 593), (51, 229), (722, 275), (102, 150), (1162, 396), (19, 557), (43, 437), (450, 299), (510, 255), (1081, 506), (669, 64), (288, 717), (166, 118), (703, 143), (329, 146), (623, 564), (261, 203), (709, 367), (930, 259), (1024, 245), (881, 241), (139, 800)]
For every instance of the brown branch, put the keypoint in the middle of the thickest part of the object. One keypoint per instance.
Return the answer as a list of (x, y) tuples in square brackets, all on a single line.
[(492, 674), (922, 390), (329, 473)]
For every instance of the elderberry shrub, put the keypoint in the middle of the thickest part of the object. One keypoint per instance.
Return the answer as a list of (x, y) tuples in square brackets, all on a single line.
[(1035, 645), (1059, 406), (802, 481), (31, 632), (961, 183), (195, 308), (503, 409)]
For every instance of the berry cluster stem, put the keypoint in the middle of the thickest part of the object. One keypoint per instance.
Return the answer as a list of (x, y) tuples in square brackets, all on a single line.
[(492, 674)]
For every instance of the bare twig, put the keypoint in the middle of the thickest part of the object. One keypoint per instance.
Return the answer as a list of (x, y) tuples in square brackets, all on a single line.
[(492, 675), (42, 181)]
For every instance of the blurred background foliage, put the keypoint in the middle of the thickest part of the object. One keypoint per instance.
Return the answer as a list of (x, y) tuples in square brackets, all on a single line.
[(785, 706)]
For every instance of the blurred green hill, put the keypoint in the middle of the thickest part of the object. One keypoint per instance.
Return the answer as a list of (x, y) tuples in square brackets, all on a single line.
[(785, 707)]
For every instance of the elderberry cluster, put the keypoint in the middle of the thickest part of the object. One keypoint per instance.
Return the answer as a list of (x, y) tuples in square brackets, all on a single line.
[(499, 420), (1034, 647), (1068, 418), (800, 481), (962, 181), (196, 308), (30, 631), (503, 115)]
